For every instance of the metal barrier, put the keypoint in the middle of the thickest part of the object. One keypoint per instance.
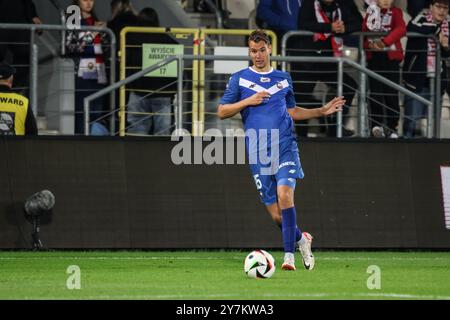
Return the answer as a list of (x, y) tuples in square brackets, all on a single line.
[(219, 18), (34, 56), (200, 37), (433, 127), (305, 77), (122, 83), (199, 70), (204, 34), (123, 67), (62, 14), (180, 58)]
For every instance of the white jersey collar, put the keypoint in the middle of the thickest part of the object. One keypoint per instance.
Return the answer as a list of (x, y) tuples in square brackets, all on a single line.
[(270, 71)]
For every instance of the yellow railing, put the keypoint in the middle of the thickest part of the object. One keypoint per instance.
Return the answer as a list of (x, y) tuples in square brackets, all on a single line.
[(176, 32), (220, 32), (198, 67)]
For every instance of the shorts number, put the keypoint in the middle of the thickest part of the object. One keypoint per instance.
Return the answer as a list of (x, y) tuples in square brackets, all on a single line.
[(258, 182)]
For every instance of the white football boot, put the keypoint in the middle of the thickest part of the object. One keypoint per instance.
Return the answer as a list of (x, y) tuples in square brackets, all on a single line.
[(289, 262), (305, 251)]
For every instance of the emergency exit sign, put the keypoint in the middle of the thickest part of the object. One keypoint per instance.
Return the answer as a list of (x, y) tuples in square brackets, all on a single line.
[(153, 53)]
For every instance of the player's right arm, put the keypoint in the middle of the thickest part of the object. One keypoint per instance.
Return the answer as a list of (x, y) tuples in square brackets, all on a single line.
[(232, 102), (225, 111)]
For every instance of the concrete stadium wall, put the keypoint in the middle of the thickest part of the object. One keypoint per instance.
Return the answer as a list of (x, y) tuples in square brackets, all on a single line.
[(118, 193)]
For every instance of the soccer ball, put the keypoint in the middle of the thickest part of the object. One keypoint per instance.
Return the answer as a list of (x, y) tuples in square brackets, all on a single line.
[(259, 264)]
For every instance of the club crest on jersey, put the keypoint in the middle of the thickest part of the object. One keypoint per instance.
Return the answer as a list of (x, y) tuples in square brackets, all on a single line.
[(262, 79), (279, 85)]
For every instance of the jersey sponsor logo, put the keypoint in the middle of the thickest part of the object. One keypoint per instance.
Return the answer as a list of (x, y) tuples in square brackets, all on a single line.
[(285, 164), (11, 101), (7, 123)]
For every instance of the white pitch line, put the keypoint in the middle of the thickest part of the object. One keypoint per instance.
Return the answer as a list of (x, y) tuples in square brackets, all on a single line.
[(391, 258), (217, 258), (118, 258), (263, 296), (406, 296)]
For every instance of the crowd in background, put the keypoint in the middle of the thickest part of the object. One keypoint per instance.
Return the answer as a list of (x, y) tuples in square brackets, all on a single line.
[(89, 50), (332, 22)]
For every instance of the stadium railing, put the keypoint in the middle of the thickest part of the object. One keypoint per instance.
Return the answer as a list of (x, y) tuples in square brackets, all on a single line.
[(196, 106), (34, 54), (179, 111), (212, 81), (189, 38), (122, 83), (203, 42), (363, 117)]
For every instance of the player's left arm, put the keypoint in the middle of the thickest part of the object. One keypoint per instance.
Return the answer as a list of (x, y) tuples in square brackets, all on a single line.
[(298, 113), (335, 105)]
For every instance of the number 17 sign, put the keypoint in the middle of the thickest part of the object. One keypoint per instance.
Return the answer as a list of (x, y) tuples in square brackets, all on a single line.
[(153, 53)]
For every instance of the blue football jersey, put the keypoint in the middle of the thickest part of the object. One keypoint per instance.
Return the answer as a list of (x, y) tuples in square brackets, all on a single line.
[(272, 113)]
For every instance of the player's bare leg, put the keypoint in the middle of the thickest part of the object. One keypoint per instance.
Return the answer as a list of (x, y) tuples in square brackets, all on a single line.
[(275, 213), (285, 197)]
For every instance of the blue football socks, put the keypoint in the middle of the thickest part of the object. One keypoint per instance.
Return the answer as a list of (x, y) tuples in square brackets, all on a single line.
[(291, 233), (298, 233)]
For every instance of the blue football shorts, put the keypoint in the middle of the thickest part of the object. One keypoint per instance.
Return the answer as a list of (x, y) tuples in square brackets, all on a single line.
[(288, 171)]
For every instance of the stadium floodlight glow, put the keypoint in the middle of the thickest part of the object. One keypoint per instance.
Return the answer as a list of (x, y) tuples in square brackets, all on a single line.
[(35, 207)]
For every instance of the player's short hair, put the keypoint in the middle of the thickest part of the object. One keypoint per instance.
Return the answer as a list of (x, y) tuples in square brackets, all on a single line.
[(259, 35), (443, 2)]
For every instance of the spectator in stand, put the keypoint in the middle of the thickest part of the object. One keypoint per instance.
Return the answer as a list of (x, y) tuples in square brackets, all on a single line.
[(123, 15), (279, 16), (420, 60), (87, 49), (17, 41), (384, 56), (330, 20), (414, 7), (149, 94)]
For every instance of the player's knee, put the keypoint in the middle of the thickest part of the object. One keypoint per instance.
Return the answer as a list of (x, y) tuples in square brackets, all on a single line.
[(285, 199)]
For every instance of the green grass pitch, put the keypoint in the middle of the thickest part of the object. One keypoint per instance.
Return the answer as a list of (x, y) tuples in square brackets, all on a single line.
[(210, 275)]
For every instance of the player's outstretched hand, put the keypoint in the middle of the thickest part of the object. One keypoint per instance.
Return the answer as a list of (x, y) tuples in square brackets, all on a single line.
[(333, 106), (258, 98)]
